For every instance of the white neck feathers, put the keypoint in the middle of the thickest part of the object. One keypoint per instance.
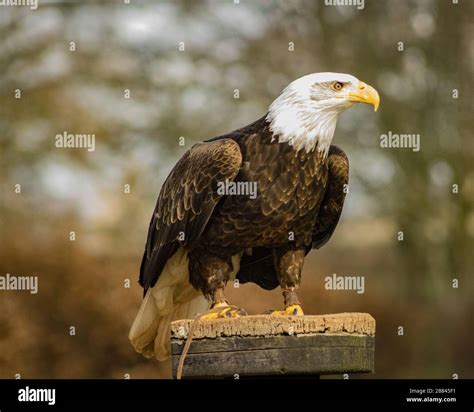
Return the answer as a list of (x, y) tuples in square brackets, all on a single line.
[(301, 121)]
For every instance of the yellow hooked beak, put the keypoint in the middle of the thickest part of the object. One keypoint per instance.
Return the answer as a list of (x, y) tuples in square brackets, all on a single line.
[(365, 94)]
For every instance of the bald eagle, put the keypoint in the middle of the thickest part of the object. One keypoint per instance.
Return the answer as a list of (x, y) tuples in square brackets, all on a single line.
[(201, 237)]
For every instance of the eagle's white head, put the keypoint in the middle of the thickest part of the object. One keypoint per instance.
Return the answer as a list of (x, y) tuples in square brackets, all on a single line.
[(305, 114)]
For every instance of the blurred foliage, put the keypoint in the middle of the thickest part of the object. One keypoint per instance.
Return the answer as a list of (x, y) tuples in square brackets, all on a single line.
[(189, 93)]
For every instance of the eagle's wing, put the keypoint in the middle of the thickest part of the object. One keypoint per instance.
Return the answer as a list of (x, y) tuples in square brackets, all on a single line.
[(186, 202), (333, 201)]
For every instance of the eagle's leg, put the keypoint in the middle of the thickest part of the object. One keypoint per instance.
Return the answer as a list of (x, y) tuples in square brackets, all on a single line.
[(289, 265), (210, 274)]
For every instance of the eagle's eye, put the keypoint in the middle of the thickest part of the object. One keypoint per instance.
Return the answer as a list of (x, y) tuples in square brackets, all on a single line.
[(337, 86)]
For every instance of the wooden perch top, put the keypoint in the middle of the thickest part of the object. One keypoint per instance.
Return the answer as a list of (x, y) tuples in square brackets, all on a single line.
[(268, 325)]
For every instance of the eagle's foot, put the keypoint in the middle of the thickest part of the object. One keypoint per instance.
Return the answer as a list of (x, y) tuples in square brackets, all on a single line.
[(291, 310), (222, 310)]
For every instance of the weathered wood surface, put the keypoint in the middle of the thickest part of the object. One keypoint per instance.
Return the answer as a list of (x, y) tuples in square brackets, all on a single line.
[(268, 345)]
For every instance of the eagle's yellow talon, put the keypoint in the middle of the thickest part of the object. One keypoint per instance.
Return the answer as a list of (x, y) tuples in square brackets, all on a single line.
[(220, 304), (226, 312), (292, 310)]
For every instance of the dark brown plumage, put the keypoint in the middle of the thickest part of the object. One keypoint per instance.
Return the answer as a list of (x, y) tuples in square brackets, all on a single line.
[(300, 199)]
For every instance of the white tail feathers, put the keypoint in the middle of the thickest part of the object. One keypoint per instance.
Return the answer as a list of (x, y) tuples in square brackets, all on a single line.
[(170, 299)]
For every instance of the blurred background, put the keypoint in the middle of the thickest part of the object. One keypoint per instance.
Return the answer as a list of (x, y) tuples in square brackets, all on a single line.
[(116, 70)]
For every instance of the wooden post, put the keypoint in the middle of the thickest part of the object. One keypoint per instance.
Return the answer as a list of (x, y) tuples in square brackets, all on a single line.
[(264, 345)]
